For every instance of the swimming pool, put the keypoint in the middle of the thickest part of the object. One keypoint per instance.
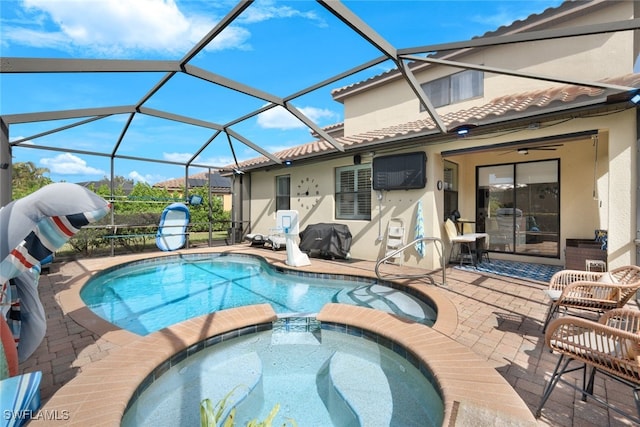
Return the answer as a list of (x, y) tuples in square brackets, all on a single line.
[(146, 296), (319, 377)]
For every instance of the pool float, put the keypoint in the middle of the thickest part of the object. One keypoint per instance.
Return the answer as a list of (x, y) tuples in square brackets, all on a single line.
[(172, 230), (32, 228)]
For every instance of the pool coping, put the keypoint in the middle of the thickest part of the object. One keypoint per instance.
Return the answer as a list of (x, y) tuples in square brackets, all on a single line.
[(100, 394)]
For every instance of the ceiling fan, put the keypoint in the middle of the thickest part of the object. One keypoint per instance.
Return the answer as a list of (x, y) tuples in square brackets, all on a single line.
[(525, 150)]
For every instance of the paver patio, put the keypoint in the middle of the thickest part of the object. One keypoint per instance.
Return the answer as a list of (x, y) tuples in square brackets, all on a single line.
[(499, 319)]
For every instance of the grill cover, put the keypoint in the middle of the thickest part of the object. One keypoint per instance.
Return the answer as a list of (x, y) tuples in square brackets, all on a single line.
[(326, 240)]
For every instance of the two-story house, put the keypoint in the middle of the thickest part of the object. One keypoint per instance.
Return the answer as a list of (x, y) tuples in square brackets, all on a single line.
[(535, 142)]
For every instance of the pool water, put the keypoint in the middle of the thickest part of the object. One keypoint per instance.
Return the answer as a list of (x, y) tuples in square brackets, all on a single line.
[(147, 296), (318, 377)]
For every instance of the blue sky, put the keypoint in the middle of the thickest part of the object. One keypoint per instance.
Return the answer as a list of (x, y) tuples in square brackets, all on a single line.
[(276, 47)]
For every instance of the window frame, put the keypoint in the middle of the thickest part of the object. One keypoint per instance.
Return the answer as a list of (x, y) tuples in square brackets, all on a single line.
[(361, 193), (451, 97), (281, 197)]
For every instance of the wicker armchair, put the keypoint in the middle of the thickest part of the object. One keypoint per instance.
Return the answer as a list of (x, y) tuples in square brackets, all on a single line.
[(610, 346), (591, 291)]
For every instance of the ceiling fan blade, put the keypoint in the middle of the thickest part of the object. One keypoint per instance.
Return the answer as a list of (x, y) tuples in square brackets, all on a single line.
[(525, 150)]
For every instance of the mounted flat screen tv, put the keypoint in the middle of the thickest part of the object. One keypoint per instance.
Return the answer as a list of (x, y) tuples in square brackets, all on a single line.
[(400, 171)]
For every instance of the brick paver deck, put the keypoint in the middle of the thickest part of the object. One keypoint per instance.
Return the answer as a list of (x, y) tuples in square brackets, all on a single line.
[(496, 320)]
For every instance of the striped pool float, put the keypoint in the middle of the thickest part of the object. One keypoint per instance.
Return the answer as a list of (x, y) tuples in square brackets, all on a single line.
[(32, 229)]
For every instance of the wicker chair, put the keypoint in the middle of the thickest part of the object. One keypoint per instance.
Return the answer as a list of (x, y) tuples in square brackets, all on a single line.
[(592, 291), (610, 346)]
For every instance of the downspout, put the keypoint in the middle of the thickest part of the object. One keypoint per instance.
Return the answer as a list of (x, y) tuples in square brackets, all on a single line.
[(185, 198), (210, 207), (240, 215), (637, 240), (236, 204), (6, 167)]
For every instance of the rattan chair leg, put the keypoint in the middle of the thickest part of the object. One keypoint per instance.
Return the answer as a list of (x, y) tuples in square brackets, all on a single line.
[(555, 377), (636, 397), (588, 388), (553, 309)]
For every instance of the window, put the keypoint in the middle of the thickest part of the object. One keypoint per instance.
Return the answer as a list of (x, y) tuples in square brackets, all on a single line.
[(454, 88), (283, 192), (353, 192), (450, 188)]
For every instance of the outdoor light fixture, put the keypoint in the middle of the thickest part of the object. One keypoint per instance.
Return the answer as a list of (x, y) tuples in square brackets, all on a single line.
[(463, 130), (523, 151), (635, 98), (288, 163)]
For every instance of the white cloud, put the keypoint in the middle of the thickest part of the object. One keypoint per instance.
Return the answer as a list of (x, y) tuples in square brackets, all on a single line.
[(137, 177), (280, 118), (20, 138), (215, 161), (266, 10), (69, 164), (177, 157), (147, 178), (231, 38), (116, 27), (122, 28)]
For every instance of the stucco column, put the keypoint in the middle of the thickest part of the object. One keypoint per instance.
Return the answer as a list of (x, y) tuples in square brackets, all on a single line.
[(623, 184), (5, 164)]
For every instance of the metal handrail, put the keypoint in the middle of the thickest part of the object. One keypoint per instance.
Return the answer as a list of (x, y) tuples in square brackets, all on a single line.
[(435, 240)]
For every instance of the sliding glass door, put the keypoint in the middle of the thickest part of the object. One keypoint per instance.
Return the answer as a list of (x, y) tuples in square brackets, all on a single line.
[(518, 205)]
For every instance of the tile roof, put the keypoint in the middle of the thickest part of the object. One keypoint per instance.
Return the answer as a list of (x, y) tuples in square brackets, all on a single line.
[(507, 107), (219, 183)]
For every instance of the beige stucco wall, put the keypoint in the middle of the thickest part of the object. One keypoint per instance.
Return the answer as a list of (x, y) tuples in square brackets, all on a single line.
[(612, 209), (587, 58), (316, 209)]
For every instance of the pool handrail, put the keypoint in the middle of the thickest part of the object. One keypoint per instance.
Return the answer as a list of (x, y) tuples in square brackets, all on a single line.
[(439, 245)]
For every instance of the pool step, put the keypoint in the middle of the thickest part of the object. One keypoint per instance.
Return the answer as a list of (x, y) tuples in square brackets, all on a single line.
[(387, 299), (353, 378)]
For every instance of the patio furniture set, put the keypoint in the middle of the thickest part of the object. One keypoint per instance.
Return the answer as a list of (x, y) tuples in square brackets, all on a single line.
[(609, 345)]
